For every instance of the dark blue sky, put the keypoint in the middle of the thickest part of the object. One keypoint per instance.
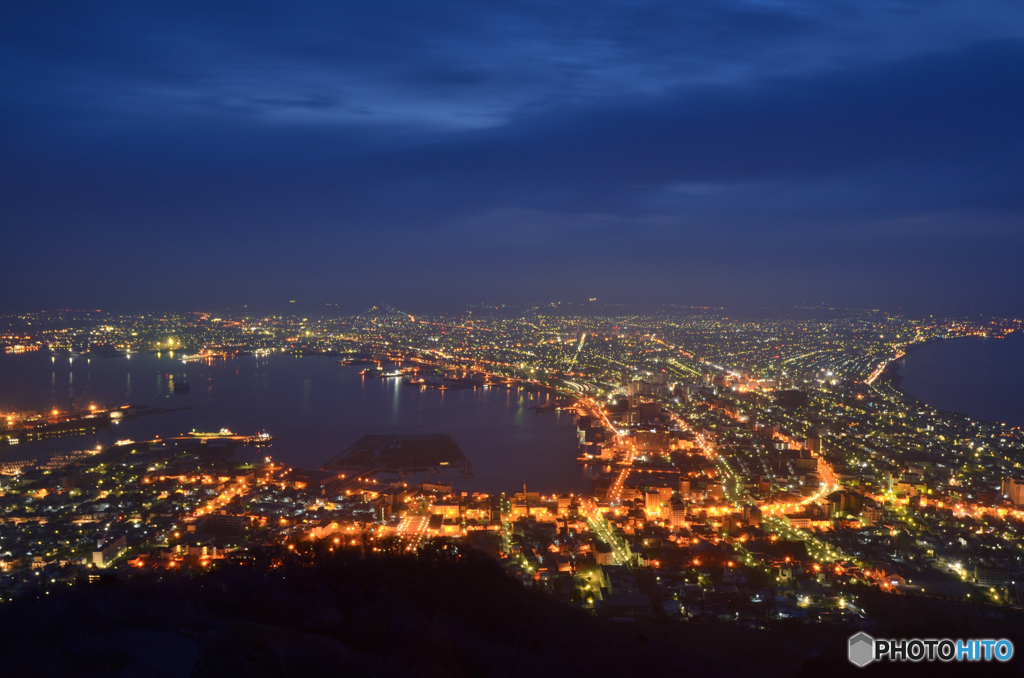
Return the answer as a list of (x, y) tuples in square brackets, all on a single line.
[(430, 154)]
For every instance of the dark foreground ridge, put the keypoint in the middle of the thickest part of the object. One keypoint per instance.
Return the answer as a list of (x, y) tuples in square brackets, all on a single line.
[(449, 612)]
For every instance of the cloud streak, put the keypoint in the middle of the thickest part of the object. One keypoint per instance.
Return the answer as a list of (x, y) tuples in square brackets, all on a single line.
[(645, 150)]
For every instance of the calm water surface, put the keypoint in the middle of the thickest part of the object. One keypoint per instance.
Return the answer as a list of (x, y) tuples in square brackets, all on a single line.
[(983, 378), (314, 408)]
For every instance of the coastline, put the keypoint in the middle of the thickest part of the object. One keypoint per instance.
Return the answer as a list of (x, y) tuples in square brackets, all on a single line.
[(891, 376)]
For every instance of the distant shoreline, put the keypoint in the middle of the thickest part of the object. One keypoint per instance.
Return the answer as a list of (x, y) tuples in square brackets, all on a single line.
[(890, 372), (892, 376)]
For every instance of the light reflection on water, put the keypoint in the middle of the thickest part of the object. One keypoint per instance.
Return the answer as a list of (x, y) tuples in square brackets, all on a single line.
[(313, 406)]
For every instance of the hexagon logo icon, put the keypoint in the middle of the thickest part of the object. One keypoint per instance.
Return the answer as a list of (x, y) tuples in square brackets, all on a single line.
[(861, 649)]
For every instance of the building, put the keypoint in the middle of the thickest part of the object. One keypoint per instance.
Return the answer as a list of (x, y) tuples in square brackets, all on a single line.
[(323, 529), (652, 503), (901, 544), (677, 514), (627, 605), (603, 554), (641, 413), (637, 387), (221, 521), (752, 516), (806, 464), (618, 579), (843, 502), (991, 576), (653, 440), (871, 515), (108, 550), (1013, 490)]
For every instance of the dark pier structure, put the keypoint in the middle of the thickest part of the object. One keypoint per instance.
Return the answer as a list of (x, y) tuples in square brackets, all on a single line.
[(404, 455)]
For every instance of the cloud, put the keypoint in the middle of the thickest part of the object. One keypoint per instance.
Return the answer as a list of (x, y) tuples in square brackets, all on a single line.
[(657, 149), (449, 65)]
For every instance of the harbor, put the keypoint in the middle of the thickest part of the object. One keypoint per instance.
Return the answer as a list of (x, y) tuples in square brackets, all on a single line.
[(313, 407)]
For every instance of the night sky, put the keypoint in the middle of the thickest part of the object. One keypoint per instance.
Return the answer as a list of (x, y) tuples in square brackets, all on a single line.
[(197, 155)]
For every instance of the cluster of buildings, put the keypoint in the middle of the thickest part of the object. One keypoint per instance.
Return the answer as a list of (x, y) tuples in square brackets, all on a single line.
[(744, 471)]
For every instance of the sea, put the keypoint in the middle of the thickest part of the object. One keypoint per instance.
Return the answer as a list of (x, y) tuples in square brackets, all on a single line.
[(981, 377), (313, 406)]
